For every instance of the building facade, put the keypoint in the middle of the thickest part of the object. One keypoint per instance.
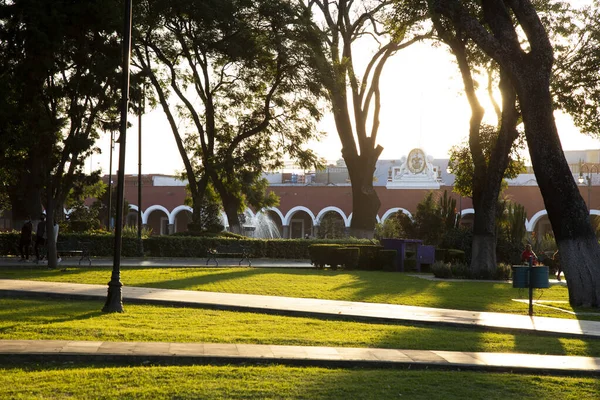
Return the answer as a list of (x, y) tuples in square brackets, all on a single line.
[(307, 196)]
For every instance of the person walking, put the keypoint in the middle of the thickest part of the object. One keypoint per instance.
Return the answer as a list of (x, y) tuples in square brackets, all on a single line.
[(556, 258), (25, 240), (528, 253), (40, 237)]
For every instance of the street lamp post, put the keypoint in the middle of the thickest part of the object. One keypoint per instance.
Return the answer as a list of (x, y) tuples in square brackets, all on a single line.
[(589, 169), (114, 299)]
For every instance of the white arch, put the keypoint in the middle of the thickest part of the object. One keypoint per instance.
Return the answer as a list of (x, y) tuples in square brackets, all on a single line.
[(334, 209), (350, 219), (594, 212), (290, 214), (150, 209), (177, 210), (275, 210), (395, 210), (467, 211), (534, 220)]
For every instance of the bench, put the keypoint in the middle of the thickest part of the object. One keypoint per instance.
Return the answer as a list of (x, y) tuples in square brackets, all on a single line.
[(232, 250), (78, 249)]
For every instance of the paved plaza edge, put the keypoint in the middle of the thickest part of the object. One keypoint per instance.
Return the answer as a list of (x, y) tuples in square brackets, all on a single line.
[(310, 307), (16, 351)]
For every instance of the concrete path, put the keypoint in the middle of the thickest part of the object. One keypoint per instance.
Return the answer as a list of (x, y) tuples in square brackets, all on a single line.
[(311, 307), (207, 353), (166, 262)]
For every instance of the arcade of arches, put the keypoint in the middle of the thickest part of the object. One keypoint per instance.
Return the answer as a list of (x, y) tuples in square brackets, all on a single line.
[(320, 211)]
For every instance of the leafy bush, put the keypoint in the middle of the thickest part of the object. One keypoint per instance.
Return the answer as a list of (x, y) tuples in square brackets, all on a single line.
[(348, 256), (442, 270), (410, 265), (387, 259), (368, 256), (503, 272), (461, 271), (324, 254)]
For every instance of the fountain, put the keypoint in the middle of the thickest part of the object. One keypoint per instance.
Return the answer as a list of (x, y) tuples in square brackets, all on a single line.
[(260, 226)]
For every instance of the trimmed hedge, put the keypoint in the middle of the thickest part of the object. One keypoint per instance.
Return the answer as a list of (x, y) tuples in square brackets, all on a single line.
[(325, 254), (387, 259), (102, 245), (349, 257)]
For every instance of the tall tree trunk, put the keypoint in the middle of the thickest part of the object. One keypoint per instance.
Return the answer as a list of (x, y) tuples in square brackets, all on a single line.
[(365, 201), (231, 207), (566, 208)]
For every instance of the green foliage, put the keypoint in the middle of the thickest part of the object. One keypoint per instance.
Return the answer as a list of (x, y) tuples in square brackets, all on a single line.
[(331, 227), (441, 269), (390, 228), (60, 63), (208, 212), (460, 270), (82, 219), (448, 211), (433, 219), (131, 231), (387, 259), (513, 223), (368, 259), (349, 257), (461, 161), (325, 254), (244, 80)]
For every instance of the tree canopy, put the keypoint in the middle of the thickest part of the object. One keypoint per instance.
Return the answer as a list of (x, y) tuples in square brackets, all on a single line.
[(236, 82)]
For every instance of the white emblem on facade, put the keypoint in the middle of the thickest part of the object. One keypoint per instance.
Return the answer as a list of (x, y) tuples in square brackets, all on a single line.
[(415, 172)]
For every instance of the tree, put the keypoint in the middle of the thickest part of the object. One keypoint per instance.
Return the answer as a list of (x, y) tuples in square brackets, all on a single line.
[(238, 73), (529, 70), (432, 220), (209, 213), (355, 100), (61, 58), (461, 161)]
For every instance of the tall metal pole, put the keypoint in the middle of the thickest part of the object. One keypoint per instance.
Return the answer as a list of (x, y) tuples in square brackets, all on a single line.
[(589, 179), (114, 300), (112, 147), (139, 233)]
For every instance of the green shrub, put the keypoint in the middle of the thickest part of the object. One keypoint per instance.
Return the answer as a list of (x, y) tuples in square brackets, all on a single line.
[(460, 271), (410, 265), (440, 254), (455, 256), (348, 256), (324, 254), (387, 259), (442, 270), (503, 272), (368, 256), (9, 243)]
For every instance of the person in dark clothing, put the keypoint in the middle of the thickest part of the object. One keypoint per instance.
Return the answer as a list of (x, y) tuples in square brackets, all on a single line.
[(25, 240), (40, 236), (556, 258)]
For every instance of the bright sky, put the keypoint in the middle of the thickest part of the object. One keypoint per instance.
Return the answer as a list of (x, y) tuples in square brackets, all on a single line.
[(422, 106)]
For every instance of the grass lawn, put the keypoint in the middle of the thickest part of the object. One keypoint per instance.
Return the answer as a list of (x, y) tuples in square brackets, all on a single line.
[(280, 382), (51, 319), (26, 318), (367, 286)]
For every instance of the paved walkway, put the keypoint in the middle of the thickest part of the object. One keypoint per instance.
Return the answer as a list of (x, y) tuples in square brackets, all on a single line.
[(302, 355), (166, 262), (311, 307), (208, 353)]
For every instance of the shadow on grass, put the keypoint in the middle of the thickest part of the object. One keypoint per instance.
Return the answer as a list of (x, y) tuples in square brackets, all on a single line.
[(48, 312)]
